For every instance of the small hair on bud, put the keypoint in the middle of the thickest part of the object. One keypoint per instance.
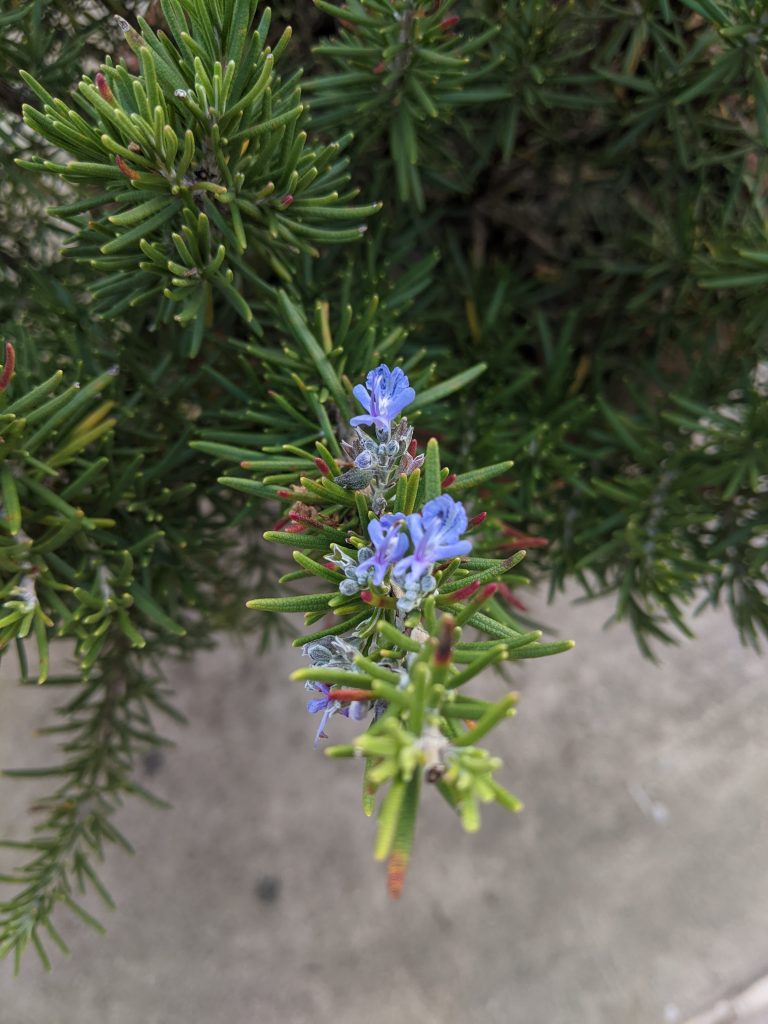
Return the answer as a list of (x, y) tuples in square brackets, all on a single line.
[(451, 478), (286, 200), (322, 465), (479, 518)]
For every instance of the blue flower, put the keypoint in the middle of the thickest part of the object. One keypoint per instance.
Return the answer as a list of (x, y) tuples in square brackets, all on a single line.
[(327, 705), (390, 543), (385, 395), (435, 532)]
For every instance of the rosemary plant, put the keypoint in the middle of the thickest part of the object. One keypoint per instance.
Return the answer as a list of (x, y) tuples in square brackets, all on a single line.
[(382, 525), (549, 218)]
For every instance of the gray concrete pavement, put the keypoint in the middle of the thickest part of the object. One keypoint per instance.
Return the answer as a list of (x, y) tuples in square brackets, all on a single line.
[(633, 889)]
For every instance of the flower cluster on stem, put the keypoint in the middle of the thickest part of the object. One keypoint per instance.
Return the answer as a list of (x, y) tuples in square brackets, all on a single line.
[(402, 549), (404, 584), (405, 546)]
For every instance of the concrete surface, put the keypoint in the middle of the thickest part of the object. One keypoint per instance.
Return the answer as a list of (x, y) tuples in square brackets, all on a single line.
[(749, 1006), (633, 889)]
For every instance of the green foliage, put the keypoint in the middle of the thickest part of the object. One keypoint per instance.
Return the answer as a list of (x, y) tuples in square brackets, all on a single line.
[(409, 666), (610, 263), (299, 408), (199, 165), (399, 69), (32, 35), (40, 518)]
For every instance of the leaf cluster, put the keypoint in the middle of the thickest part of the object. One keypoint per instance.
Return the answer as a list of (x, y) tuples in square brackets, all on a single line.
[(413, 667), (197, 160)]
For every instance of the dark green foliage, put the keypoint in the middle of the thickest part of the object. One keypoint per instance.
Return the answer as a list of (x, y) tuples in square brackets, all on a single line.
[(602, 240), (399, 70)]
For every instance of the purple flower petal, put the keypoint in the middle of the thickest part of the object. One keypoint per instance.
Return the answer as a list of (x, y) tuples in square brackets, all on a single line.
[(388, 392), (321, 733), (362, 396), (435, 533), (390, 544), (461, 547)]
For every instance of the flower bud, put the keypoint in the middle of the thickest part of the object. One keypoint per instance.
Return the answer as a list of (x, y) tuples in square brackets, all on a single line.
[(10, 362), (103, 86), (129, 172), (358, 709)]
